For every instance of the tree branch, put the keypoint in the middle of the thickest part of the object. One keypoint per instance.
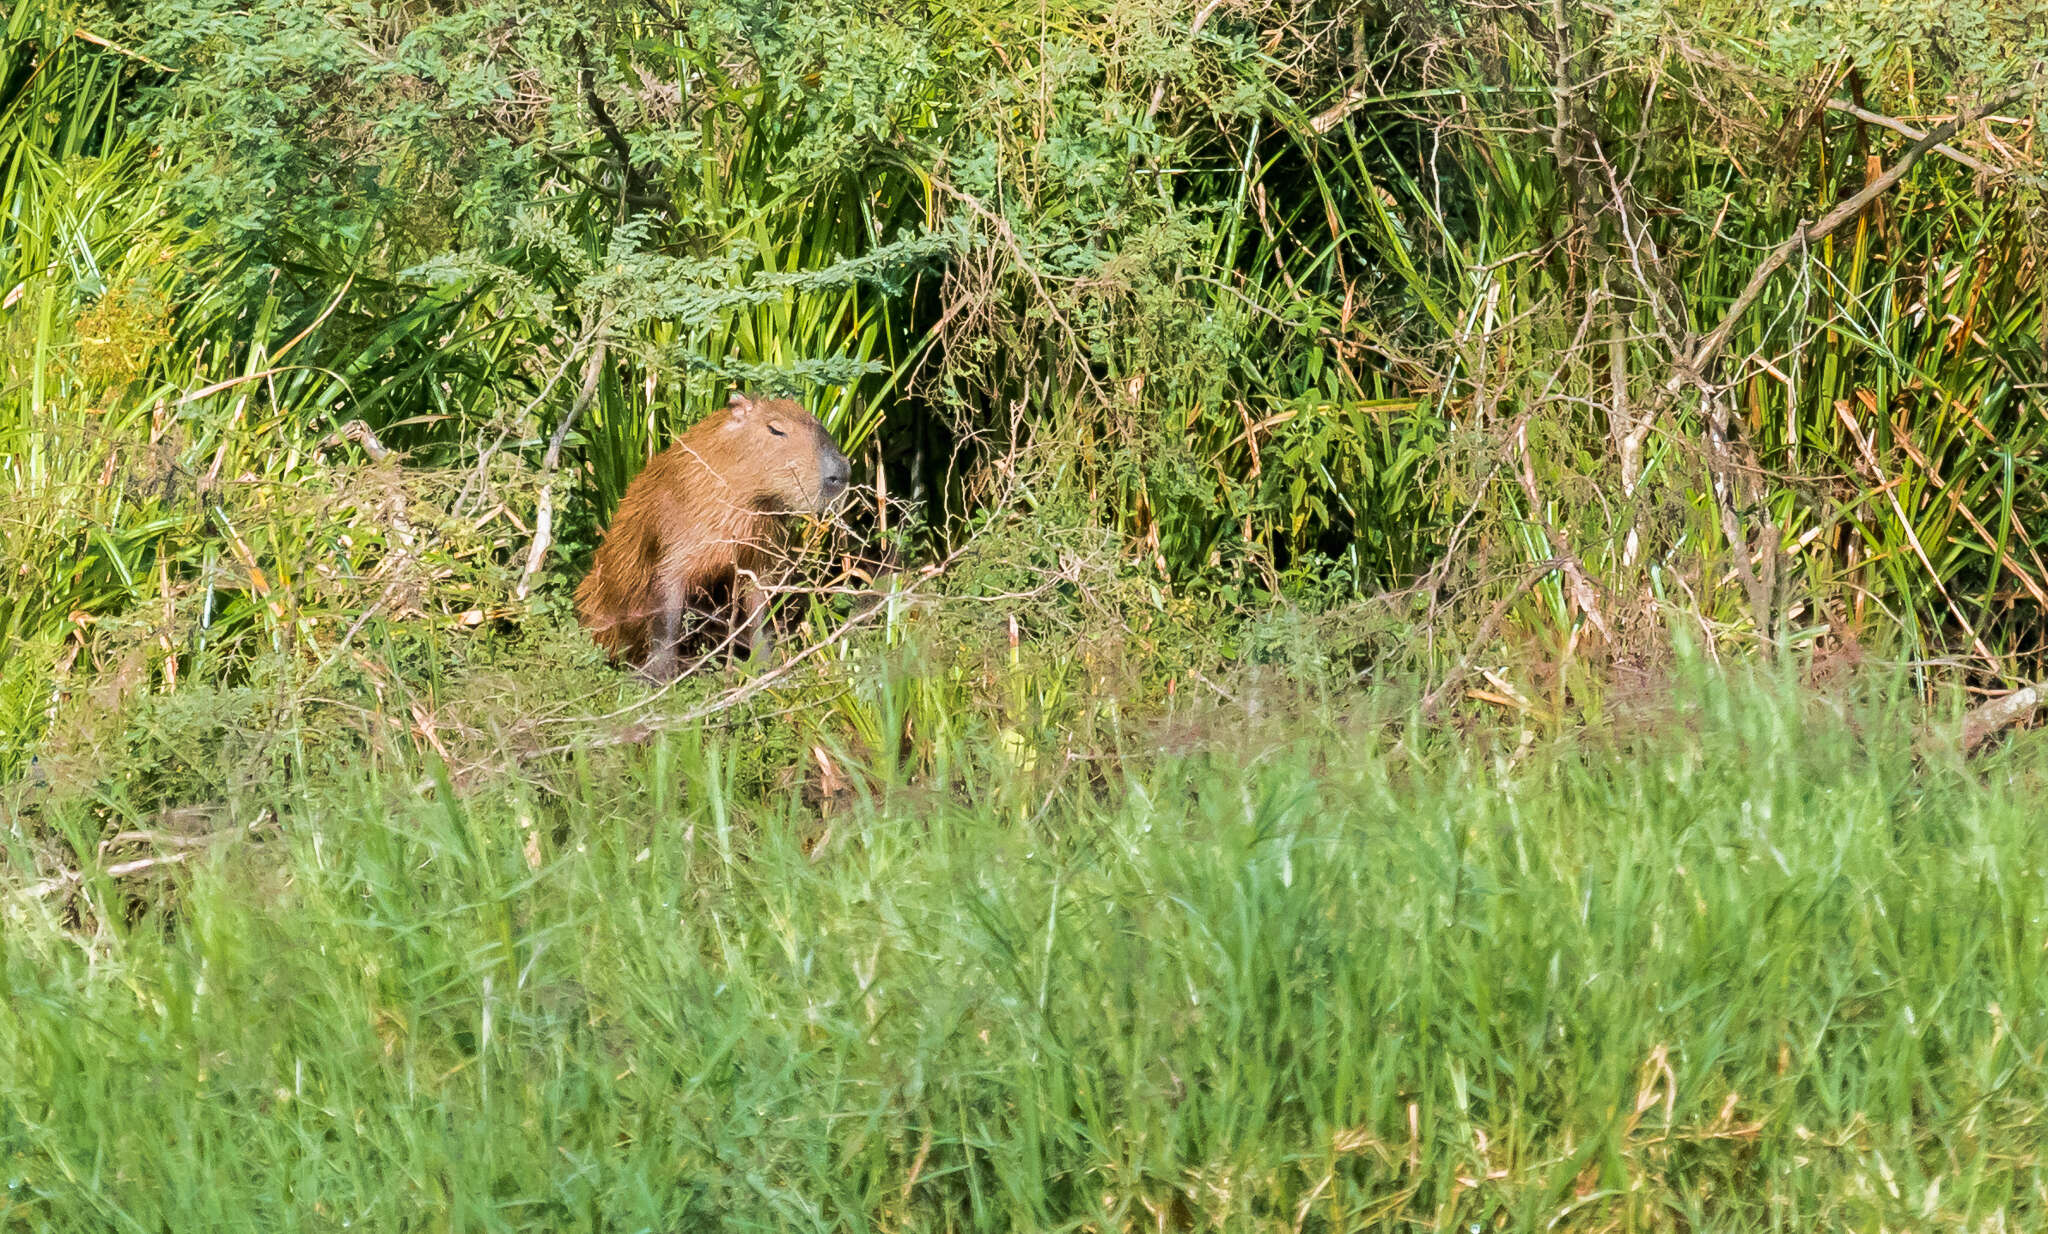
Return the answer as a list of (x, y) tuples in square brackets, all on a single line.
[(631, 184), (1911, 134), (544, 507), (1695, 366)]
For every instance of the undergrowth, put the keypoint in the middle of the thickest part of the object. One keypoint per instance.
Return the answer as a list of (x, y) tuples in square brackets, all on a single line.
[(1507, 308)]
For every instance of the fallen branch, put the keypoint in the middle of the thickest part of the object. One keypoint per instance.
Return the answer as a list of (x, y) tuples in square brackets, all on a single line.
[(1535, 571), (72, 878), (188, 846), (1987, 720)]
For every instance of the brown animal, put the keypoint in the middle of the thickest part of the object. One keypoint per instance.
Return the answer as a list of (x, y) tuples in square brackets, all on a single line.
[(701, 530)]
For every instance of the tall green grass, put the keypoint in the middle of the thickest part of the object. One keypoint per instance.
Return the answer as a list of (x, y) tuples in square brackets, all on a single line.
[(1742, 970)]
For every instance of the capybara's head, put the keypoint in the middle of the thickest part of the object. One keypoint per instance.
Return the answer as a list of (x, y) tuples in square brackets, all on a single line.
[(779, 455)]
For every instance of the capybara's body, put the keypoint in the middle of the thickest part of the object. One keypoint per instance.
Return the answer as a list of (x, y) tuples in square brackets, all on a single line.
[(699, 534)]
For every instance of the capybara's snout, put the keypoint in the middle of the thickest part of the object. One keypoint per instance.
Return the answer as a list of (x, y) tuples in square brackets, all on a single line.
[(835, 473)]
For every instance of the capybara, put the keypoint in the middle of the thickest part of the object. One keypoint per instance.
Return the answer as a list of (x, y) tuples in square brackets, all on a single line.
[(700, 532)]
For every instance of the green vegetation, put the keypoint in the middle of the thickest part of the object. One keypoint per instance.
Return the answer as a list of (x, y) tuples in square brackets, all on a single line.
[(1749, 971), (1324, 302), (1392, 663)]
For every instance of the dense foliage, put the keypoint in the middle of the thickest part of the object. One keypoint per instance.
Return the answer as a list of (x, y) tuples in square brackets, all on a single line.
[(1330, 301)]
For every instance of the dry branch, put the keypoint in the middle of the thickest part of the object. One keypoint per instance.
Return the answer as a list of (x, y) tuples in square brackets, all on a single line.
[(1987, 720), (1912, 134), (544, 506), (72, 878), (1695, 366)]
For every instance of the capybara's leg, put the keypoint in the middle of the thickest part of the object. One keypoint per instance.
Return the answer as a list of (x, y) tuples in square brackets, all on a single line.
[(752, 633), (665, 634)]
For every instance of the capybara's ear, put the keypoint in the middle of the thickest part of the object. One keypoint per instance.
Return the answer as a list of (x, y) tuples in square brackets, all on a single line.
[(739, 404)]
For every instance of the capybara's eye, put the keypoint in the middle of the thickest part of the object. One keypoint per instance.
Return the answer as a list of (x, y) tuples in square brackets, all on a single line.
[(776, 429)]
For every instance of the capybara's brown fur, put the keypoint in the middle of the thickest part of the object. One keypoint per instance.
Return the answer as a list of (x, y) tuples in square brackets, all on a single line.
[(700, 531)]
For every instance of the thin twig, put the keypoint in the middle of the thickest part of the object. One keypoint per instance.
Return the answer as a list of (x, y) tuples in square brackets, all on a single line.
[(1434, 699), (1891, 495), (1194, 30), (544, 506), (97, 41), (631, 185)]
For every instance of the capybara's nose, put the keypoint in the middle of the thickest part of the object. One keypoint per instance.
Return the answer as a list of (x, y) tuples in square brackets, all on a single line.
[(836, 475)]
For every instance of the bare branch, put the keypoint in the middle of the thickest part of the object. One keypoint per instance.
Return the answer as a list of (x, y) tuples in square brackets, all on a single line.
[(1695, 366), (1912, 134), (544, 506)]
